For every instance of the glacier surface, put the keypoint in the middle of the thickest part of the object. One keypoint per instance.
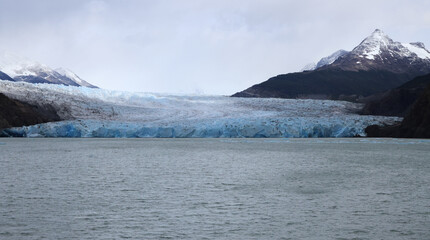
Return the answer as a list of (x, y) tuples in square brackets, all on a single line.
[(103, 113)]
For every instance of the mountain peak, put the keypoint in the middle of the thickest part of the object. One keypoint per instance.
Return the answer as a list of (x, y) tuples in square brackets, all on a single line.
[(378, 32), (379, 35), (377, 64), (379, 52), (378, 44), (25, 70), (373, 45)]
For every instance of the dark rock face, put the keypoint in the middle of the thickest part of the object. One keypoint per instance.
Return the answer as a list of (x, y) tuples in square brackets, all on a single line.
[(382, 131), (326, 84), (14, 113), (416, 124), (398, 101)]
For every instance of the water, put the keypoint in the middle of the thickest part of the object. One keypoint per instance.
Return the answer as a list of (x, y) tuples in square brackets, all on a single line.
[(214, 189)]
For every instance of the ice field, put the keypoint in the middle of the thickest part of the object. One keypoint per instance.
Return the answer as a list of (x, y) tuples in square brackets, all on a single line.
[(104, 113)]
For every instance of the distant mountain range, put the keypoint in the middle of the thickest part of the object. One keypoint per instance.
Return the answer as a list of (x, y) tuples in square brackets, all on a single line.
[(20, 69), (376, 65)]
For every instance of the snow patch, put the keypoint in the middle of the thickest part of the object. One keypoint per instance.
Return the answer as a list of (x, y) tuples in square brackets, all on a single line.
[(420, 52), (325, 60), (378, 42), (73, 77), (309, 67)]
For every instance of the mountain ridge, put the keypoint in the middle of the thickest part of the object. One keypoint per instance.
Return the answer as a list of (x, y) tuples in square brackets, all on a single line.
[(388, 63), (379, 52), (325, 60), (21, 69)]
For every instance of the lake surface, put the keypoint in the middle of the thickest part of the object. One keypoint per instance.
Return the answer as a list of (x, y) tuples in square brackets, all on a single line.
[(214, 189)]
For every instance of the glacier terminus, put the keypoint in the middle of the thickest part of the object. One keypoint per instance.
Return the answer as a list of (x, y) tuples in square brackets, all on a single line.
[(91, 112)]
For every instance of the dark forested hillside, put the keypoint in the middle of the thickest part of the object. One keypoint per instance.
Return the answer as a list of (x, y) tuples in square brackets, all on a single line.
[(326, 84), (15, 113)]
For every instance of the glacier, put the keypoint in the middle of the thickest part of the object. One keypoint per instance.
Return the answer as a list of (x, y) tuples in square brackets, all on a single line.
[(227, 128), (90, 112)]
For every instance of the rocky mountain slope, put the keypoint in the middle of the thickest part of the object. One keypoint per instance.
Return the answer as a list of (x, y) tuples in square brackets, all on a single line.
[(14, 113), (416, 124), (376, 65), (398, 101), (21, 69)]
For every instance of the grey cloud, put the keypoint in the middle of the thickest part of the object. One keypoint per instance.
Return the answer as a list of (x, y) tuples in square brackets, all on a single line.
[(216, 47)]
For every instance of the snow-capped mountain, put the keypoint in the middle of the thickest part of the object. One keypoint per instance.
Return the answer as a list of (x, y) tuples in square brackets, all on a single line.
[(21, 69), (325, 60), (376, 65), (379, 52)]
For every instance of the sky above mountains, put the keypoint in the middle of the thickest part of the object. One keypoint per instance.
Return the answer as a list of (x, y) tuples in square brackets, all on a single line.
[(198, 46)]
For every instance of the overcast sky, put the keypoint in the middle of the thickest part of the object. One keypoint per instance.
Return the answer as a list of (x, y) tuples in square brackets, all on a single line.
[(197, 46)]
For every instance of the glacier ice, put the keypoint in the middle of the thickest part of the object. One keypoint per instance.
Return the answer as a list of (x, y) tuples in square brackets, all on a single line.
[(104, 113), (273, 128)]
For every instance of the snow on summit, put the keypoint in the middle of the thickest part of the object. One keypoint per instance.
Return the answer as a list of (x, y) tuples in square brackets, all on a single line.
[(418, 49), (22, 69), (379, 51), (73, 76), (372, 45), (378, 42)]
